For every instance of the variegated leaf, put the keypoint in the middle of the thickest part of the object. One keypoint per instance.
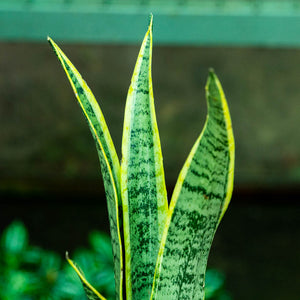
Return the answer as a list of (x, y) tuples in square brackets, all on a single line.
[(109, 162), (143, 188), (199, 201)]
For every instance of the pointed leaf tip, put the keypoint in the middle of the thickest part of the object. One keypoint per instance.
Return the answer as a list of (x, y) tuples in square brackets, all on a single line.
[(151, 21), (211, 72), (52, 44)]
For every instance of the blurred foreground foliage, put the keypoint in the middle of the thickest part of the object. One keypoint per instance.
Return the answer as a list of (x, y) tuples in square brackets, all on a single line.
[(30, 273)]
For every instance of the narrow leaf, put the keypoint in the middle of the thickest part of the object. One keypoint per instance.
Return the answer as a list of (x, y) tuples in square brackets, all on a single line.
[(199, 201), (143, 188), (109, 162), (90, 291)]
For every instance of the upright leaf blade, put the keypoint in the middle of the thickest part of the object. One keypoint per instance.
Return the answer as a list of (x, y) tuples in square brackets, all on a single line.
[(109, 162), (199, 201), (90, 291), (143, 188)]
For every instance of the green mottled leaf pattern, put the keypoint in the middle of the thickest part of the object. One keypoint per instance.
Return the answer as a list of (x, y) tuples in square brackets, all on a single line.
[(200, 198), (144, 194), (166, 248), (109, 162), (90, 291)]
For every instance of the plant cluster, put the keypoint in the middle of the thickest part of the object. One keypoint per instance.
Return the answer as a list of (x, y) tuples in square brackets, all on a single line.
[(160, 249)]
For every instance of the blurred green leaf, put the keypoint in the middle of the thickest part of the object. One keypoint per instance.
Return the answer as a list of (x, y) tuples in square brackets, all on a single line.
[(32, 255), (101, 243), (15, 238), (50, 262), (214, 281), (13, 242), (215, 285)]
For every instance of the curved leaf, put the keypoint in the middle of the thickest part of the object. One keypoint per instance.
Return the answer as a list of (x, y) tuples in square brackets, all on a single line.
[(90, 291), (109, 162), (143, 188), (199, 201)]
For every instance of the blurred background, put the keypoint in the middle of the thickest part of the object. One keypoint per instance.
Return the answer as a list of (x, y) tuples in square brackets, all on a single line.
[(49, 172)]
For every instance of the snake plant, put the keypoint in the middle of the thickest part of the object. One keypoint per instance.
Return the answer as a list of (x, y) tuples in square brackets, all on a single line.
[(160, 250)]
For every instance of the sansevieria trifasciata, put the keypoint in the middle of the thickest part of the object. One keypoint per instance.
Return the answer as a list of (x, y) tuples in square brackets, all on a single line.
[(161, 251)]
